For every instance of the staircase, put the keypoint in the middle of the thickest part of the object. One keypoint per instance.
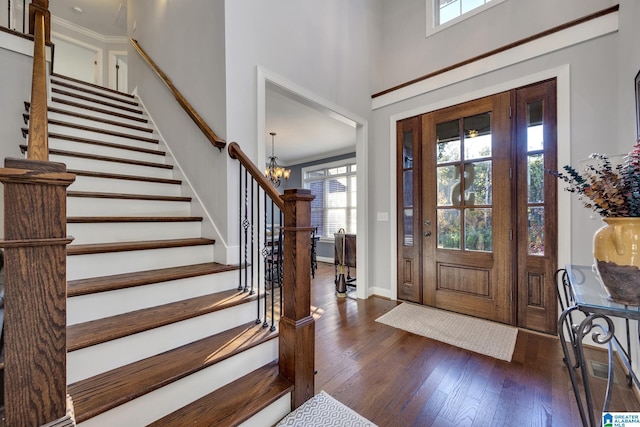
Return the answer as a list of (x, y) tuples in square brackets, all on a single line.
[(157, 331)]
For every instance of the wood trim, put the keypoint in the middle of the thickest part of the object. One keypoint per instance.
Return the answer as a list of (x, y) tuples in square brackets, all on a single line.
[(236, 153), (202, 125), (106, 89), (501, 49), (98, 110), (38, 140)]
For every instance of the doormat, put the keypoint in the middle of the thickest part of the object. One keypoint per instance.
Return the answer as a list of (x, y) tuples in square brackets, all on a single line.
[(323, 410), (480, 336)]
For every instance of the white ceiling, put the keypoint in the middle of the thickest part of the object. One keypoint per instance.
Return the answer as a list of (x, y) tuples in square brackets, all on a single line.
[(106, 17), (304, 131)]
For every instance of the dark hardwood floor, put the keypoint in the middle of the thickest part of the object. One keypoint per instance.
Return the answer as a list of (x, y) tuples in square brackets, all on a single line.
[(395, 378)]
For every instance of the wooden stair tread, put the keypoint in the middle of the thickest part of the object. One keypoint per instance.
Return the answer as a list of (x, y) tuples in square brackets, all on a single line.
[(103, 158), (129, 101), (98, 248), (90, 194), (96, 101), (53, 135), (61, 76), (108, 175), (105, 391), (233, 403), (97, 109), (110, 328), (99, 119), (141, 278), (95, 129), (112, 219)]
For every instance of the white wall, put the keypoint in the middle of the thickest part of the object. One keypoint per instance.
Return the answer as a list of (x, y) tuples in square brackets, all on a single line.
[(408, 54), (186, 40), (323, 47)]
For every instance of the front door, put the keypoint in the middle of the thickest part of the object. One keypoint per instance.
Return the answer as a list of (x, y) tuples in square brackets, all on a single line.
[(466, 208), (465, 221)]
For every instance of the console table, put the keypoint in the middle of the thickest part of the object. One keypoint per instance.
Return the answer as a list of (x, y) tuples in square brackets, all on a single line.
[(580, 290)]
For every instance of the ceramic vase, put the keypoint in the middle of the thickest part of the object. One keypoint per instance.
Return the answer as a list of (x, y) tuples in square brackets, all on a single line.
[(616, 249)]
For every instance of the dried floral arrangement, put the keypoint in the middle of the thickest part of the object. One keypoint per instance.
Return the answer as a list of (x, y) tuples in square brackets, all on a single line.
[(610, 191)]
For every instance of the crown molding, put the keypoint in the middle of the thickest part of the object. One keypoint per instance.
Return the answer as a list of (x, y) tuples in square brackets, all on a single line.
[(87, 32)]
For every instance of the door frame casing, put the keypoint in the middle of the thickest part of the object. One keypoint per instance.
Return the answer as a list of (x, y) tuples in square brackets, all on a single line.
[(562, 76)]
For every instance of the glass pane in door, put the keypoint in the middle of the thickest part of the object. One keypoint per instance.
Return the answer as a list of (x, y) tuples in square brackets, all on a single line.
[(448, 228), (535, 178), (477, 230)]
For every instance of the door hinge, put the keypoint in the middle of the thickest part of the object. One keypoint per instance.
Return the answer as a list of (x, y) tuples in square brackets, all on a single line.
[(509, 111), (511, 234), (510, 173)]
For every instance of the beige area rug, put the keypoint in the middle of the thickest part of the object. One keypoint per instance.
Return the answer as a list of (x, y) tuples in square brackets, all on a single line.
[(477, 335), (322, 410)]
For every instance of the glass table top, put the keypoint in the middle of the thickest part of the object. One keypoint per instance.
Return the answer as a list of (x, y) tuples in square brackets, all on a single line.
[(591, 296)]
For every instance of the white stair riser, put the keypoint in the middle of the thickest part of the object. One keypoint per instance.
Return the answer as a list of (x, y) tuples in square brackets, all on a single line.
[(89, 206), (90, 361), (96, 124), (100, 150), (131, 121), (112, 167), (91, 104), (119, 100), (161, 402), (106, 264), (98, 136), (270, 415), (125, 186), (83, 308), (85, 233)]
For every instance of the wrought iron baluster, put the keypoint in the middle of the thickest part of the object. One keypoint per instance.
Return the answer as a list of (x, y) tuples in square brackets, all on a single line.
[(251, 291), (257, 247), (265, 254), (240, 228), (281, 261), (245, 225)]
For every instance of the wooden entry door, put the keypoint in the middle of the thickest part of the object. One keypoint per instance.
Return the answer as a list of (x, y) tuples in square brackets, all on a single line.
[(466, 208), (477, 227)]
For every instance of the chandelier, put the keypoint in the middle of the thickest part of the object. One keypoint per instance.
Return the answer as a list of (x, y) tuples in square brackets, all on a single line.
[(273, 172)]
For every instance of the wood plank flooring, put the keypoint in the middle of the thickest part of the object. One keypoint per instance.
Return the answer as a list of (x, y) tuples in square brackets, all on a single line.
[(395, 378)]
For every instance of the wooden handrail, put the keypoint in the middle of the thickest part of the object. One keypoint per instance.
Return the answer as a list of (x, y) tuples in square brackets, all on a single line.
[(191, 112), (236, 153), (38, 128)]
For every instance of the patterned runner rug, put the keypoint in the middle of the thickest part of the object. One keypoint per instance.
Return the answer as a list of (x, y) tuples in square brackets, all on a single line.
[(477, 335), (323, 410)]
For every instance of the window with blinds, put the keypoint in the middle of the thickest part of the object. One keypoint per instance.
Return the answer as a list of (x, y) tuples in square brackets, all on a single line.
[(334, 185)]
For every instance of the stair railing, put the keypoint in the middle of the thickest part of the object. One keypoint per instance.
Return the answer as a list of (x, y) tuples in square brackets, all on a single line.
[(285, 247), (35, 383), (215, 140)]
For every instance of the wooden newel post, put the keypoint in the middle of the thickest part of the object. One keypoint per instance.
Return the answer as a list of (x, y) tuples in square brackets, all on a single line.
[(35, 291), (297, 327)]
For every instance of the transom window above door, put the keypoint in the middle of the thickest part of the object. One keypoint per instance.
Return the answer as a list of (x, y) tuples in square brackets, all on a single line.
[(444, 13)]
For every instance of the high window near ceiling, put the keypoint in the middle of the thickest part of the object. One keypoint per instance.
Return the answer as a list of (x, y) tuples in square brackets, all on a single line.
[(444, 13), (334, 185)]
